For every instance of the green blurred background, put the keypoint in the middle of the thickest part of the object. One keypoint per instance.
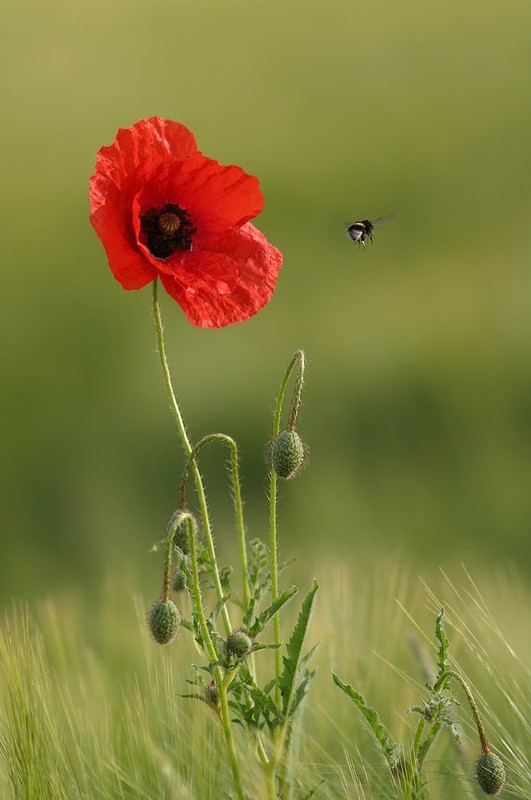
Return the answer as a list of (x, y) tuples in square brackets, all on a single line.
[(418, 400)]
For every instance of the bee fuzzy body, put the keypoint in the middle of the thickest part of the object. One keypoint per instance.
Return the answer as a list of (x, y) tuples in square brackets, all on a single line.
[(362, 230)]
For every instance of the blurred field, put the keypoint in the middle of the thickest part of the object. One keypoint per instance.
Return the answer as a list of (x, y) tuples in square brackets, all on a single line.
[(141, 740), (418, 401)]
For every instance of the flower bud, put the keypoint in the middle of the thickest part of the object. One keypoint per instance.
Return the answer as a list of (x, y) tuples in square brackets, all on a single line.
[(210, 695), (181, 538), (178, 583), (288, 454), (490, 773), (239, 644), (164, 620)]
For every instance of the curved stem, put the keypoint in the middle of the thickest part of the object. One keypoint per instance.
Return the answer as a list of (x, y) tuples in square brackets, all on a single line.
[(298, 359), (166, 579), (236, 496), (187, 519), (440, 685), (188, 449)]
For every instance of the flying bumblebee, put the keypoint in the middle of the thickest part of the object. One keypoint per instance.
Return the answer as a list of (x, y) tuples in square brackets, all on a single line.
[(362, 230)]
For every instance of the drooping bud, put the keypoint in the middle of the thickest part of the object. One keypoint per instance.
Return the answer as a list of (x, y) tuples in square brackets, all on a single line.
[(164, 620), (181, 537), (490, 773), (178, 583), (211, 696), (289, 454), (239, 644)]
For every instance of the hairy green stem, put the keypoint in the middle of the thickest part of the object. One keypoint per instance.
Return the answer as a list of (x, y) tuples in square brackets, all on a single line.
[(187, 519), (219, 677), (297, 360), (166, 579), (413, 772), (236, 496), (188, 449), (440, 685)]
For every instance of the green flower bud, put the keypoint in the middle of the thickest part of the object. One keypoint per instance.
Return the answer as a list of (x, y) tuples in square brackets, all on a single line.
[(211, 696), (289, 454), (164, 620), (490, 773), (178, 583), (239, 644), (181, 538)]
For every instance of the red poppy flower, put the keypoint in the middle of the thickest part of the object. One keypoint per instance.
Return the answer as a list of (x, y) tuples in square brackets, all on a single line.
[(163, 209)]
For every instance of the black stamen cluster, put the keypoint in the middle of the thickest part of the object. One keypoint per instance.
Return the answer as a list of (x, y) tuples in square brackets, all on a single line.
[(161, 244)]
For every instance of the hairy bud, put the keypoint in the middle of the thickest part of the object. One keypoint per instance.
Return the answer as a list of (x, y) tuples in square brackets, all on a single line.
[(178, 583), (239, 644), (289, 454), (181, 537), (211, 696), (164, 620), (490, 773)]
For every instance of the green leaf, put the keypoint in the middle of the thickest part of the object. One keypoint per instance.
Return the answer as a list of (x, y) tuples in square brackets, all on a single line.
[(259, 578), (292, 662), (216, 611), (444, 644), (224, 578), (393, 751), (262, 619), (254, 706)]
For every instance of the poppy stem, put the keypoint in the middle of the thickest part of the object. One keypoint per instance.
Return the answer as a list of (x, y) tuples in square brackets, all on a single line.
[(236, 498), (176, 411), (297, 360), (441, 684), (217, 671)]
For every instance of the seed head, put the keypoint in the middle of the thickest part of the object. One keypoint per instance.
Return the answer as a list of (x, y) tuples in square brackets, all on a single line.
[(164, 620), (490, 773)]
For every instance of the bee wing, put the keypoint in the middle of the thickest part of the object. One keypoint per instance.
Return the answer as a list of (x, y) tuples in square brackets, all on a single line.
[(383, 220)]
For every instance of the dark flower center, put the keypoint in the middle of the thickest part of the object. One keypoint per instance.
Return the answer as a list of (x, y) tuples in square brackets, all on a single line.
[(167, 229)]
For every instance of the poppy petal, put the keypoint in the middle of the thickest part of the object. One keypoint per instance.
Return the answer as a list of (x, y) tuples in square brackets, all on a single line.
[(113, 226), (219, 288), (141, 148), (220, 268), (218, 198)]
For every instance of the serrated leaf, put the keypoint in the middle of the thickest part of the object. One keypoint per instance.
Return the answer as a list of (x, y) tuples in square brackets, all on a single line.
[(253, 705), (444, 644), (224, 578), (446, 721), (301, 690), (216, 611), (292, 661), (392, 751), (262, 619), (257, 647)]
